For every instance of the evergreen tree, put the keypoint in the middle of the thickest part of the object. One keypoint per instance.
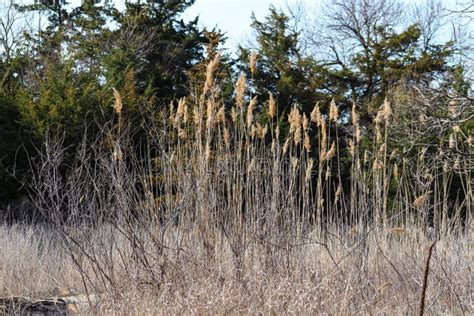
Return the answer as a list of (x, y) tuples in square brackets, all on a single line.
[(282, 69)]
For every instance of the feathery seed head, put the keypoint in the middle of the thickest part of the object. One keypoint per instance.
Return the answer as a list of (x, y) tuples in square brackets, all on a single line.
[(253, 62), (272, 110), (196, 116), (226, 136), (117, 102), (377, 164), (395, 172), (332, 152), (307, 142), (378, 133), (358, 134), (286, 145), (250, 110), (221, 115), (381, 151), (297, 136), (182, 133), (333, 111), (294, 163), (309, 169), (233, 114), (323, 134), (180, 112), (394, 154), (387, 111), (211, 67), (305, 122), (355, 115), (420, 201), (211, 117), (240, 88), (316, 115)]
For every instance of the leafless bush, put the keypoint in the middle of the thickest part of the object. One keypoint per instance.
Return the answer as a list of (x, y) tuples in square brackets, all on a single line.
[(215, 194)]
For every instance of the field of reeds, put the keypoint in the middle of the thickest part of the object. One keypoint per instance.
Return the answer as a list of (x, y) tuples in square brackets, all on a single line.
[(242, 209)]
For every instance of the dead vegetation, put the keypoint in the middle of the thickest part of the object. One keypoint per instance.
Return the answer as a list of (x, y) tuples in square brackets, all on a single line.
[(229, 210)]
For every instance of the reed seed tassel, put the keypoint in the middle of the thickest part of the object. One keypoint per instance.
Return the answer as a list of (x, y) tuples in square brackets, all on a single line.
[(294, 163), (286, 145), (395, 172), (324, 140), (118, 101), (271, 107), (309, 170), (253, 62), (387, 111), (332, 152), (226, 137), (355, 115), (316, 115), (180, 112), (233, 114), (196, 116), (210, 114), (250, 110), (240, 88), (305, 122), (221, 115), (333, 111), (211, 67), (297, 137)]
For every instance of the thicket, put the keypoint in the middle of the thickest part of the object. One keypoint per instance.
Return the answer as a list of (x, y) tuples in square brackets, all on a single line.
[(157, 159), (220, 194), (59, 78)]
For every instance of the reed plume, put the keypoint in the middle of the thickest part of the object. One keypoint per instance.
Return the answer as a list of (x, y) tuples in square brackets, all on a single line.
[(272, 111), (333, 111), (240, 89), (253, 62), (316, 115), (117, 102), (250, 110)]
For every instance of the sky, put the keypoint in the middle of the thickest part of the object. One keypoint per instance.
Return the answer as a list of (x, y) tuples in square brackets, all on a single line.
[(233, 16)]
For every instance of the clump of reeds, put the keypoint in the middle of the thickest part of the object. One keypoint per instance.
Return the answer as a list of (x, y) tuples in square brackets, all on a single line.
[(226, 190)]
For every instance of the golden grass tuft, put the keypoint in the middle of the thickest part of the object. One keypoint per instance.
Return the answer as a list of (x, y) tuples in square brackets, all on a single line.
[(272, 109), (118, 101), (333, 111)]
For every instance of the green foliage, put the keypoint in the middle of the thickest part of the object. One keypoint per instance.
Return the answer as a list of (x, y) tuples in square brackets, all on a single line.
[(10, 141), (63, 75), (166, 50), (389, 58), (282, 69), (61, 100)]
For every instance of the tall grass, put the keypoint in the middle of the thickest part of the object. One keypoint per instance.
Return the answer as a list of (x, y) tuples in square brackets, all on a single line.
[(240, 207)]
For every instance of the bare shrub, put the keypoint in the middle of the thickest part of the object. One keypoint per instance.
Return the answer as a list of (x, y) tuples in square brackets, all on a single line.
[(222, 210)]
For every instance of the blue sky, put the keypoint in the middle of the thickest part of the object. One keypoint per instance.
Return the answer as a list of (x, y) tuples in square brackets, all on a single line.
[(233, 16)]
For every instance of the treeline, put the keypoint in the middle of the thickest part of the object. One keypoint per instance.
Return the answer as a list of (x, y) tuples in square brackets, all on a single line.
[(57, 76)]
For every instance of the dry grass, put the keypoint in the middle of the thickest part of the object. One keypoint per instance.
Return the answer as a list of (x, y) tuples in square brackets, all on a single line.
[(33, 263), (227, 211), (382, 274)]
